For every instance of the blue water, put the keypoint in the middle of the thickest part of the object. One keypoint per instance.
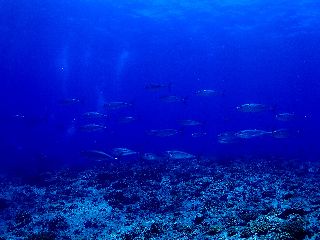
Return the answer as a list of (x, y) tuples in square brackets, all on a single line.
[(102, 51)]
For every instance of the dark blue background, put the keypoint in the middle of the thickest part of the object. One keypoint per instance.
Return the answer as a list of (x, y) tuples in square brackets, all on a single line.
[(100, 51)]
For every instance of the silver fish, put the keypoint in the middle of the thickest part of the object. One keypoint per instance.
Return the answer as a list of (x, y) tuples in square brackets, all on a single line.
[(19, 116), (173, 99), (117, 105), (206, 92), (127, 119), (157, 86), (121, 152), (92, 127), (285, 116), (96, 155), (163, 132), (281, 133), (252, 107), (179, 155), (198, 134), (69, 101), (94, 115), (190, 122), (252, 133)]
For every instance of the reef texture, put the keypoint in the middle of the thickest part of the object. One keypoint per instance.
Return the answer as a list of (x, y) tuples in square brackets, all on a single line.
[(207, 198)]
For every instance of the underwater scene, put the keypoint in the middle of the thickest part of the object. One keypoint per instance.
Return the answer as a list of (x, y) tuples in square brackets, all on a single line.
[(159, 119)]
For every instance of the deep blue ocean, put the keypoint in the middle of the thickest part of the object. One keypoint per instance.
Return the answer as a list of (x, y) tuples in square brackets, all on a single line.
[(103, 51), (142, 67)]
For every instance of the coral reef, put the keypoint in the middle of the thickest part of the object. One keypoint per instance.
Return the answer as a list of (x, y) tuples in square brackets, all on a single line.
[(192, 199)]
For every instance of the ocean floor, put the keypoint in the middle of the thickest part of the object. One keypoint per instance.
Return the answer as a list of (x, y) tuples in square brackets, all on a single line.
[(243, 198)]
